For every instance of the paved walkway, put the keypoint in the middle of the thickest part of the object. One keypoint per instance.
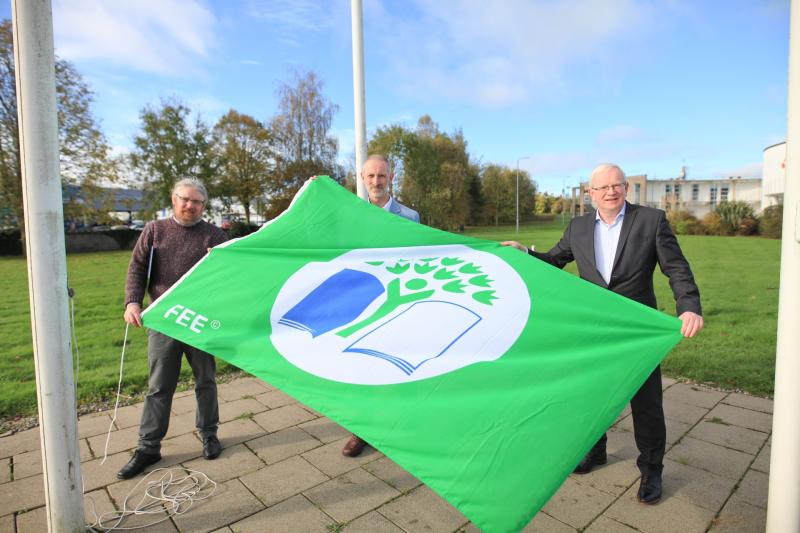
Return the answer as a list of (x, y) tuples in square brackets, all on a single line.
[(282, 470)]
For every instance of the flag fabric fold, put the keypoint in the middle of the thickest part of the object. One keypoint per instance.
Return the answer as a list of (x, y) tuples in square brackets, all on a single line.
[(485, 373)]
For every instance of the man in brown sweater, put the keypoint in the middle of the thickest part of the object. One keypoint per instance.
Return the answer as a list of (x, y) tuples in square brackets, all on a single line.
[(165, 251)]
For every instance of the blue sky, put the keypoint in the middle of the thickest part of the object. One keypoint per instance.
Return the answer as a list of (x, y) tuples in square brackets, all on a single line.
[(651, 85)]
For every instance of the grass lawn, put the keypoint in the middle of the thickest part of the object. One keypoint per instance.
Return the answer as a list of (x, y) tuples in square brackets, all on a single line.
[(738, 279)]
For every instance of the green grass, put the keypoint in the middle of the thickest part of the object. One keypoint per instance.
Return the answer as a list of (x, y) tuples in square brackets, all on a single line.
[(738, 279)]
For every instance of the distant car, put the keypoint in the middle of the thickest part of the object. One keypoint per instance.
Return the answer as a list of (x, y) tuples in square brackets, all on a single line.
[(119, 226), (136, 224), (101, 227)]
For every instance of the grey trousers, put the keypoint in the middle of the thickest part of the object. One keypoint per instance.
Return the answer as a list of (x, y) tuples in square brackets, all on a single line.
[(164, 356)]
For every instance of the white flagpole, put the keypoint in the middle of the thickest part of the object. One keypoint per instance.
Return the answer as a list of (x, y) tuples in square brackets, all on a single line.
[(47, 268), (783, 509), (358, 93)]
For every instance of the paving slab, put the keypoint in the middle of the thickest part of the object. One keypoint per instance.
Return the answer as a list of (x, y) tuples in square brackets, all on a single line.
[(393, 474), (712, 457), (329, 458), (604, 524), (675, 429), (683, 412), (739, 416), (615, 477), (7, 523), (324, 429), (238, 408), (235, 461), (621, 443), (24, 441), (351, 495), (179, 450), (282, 418), (283, 444), (739, 516), (186, 404), (753, 488), (667, 382), (373, 522), (22, 494), (237, 431), (544, 523), (127, 416), (30, 463), (230, 503), (94, 424), (738, 438), (96, 475), (5, 470), (240, 388), (753, 403), (182, 424), (275, 398), (120, 440), (576, 504), (695, 485), (291, 516), (283, 480), (762, 460), (423, 511), (668, 516), (694, 395)]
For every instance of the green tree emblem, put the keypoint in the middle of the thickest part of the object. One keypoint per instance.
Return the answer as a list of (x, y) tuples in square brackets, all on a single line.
[(422, 278)]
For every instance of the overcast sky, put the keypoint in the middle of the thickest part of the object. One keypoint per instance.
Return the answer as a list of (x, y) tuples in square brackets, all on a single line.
[(651, 85)]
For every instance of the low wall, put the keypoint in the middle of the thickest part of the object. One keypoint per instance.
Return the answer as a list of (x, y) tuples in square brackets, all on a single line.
[(90, 241)]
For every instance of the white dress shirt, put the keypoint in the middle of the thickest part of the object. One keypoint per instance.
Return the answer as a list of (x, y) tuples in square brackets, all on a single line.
[(606, 239)]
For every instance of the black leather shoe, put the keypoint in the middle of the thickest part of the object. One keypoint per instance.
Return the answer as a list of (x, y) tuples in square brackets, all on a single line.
[(138, 463), (650, 488), (592, 459), (211, 447)]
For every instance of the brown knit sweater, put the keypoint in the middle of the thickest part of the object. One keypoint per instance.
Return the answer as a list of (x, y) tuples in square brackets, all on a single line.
[(176, 249)]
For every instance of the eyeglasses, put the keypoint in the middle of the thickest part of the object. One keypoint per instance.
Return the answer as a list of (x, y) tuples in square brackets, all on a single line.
[(612, 187), (185, 200)]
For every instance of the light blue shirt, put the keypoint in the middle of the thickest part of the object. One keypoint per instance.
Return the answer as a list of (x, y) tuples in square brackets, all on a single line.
[(606, 239), (387, 206)]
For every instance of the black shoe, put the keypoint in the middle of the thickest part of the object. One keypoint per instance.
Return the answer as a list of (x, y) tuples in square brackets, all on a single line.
[(211, 447), (592, 459), (137, 464), (650, 488)]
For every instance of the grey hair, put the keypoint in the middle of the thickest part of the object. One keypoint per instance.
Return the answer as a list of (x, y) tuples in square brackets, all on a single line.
[(605, 167), (191, 182), (378, 157)]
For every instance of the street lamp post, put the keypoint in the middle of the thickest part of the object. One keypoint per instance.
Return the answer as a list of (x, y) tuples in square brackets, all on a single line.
[(518, 160)]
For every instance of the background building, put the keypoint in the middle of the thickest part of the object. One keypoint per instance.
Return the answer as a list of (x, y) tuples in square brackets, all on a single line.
[(773, 175)]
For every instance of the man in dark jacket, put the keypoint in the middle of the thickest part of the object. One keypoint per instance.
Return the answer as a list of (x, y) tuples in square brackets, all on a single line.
[(618, 247)]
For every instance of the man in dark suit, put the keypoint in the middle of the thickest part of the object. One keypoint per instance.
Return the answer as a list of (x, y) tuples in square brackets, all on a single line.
[(618, 247), (376, 176)]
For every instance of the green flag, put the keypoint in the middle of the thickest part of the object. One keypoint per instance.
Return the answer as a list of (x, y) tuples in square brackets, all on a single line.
[(485, 373)]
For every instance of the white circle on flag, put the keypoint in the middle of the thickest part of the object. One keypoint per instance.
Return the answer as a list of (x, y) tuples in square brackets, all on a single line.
[(392, 315)]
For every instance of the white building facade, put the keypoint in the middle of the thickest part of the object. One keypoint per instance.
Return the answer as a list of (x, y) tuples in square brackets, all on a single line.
[(773, 175)]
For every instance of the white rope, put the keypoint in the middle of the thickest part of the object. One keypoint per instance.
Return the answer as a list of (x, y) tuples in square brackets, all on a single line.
[(174, 492), (119, 389)]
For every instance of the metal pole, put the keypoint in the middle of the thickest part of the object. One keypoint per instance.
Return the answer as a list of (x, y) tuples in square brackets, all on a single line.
[(47, 268), (783, 509), (359, 105)]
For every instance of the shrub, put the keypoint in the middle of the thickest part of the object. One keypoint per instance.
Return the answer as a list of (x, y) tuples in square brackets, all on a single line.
[(240, 229), (732, 213), (771, 223), (748, 226), (684, 223), (714, 225), (690, 226)]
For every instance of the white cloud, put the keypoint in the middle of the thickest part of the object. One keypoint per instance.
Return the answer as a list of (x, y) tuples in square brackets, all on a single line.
[(500, 53), (293, 20), (158, 36), (623, 134)]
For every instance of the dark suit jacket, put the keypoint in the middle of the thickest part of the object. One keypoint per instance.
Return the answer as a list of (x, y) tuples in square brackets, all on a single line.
[(644, 241)]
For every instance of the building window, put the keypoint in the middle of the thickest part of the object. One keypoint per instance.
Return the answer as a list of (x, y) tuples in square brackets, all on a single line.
[(637, 191), (668, 189), (723, 194), (713, 196), (677, 192), (695, 192)]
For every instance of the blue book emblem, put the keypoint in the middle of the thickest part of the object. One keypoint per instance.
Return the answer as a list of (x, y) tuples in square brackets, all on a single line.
[(337, 301)]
